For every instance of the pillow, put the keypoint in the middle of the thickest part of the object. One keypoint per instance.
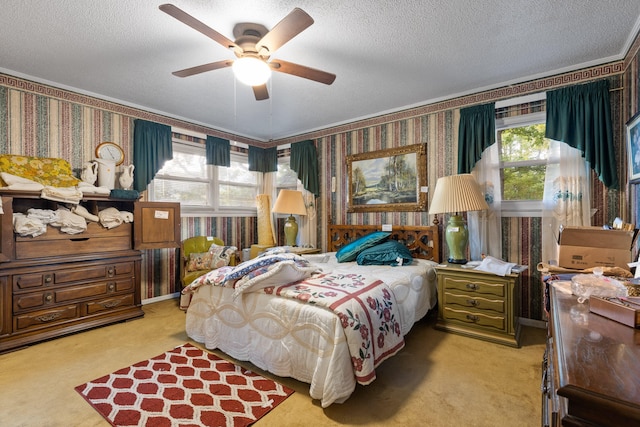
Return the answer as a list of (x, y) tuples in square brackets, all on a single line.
[(280, 273), (199, 261), (221, 255), (390, 252), (350, 252), (46, 171)]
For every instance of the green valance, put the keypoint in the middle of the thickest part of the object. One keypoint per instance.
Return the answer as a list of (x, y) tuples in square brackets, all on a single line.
[(218, 151), (263, 159), (304, 161), (151, 148), (580, 116), (476, 132)]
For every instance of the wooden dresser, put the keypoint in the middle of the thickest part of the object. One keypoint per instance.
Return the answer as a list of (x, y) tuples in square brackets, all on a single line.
[(591, 369), (479, 304), (59, 283)]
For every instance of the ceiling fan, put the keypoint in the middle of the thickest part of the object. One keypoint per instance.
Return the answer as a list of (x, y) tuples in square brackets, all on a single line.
[(254, 43)]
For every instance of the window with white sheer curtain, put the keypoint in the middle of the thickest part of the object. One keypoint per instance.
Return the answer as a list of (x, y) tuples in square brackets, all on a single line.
[(522, 175)]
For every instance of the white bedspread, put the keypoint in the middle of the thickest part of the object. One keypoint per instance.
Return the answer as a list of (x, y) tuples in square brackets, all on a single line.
[(297, 340)]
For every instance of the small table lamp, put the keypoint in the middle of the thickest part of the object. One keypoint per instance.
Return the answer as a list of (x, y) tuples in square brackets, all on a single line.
[(290, 202), (455, 194)]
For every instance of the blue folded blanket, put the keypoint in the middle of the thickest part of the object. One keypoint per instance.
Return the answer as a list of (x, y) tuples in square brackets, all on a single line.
[(118, 193)]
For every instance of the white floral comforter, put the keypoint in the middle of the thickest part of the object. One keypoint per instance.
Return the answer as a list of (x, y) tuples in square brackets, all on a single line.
[(303, 341)]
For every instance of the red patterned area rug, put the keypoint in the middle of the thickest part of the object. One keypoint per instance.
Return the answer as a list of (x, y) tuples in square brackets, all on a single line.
[(183, 387)]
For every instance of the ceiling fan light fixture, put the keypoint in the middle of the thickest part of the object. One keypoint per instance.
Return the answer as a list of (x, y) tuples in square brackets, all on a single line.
[(251, 71)]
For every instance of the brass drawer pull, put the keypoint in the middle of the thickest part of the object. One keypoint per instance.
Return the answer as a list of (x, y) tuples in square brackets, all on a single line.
[(472, 286), (48, 278), (111, 286), (472, 302), (48, 297), (110, 271), (50, 317), (472, 317)]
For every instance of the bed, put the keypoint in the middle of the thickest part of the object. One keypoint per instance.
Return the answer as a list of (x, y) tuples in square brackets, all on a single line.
[(307, 340)]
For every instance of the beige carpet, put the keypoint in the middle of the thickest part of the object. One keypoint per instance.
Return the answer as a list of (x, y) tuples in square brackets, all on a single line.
[(438, 379)]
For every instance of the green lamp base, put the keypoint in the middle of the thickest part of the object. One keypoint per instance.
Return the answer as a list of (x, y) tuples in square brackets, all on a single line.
[(290, 231), (457, 236)]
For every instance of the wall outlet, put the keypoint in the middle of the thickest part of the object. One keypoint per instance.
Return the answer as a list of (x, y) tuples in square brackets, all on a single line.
[(387, 227)]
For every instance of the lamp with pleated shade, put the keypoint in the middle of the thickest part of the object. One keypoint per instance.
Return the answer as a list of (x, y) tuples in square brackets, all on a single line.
[(290, 202), (455, 194)]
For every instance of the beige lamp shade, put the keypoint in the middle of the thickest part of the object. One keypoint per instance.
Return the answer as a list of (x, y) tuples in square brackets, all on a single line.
[(457, 193), (290, 202)]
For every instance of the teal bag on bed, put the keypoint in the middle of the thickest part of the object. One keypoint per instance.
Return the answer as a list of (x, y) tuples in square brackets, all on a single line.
[(390, 252), (350, 251)]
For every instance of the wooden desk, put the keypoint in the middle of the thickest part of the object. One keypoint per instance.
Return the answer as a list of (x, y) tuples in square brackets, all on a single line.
[(592, 368)]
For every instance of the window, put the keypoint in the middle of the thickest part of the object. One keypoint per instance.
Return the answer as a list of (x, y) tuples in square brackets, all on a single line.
[(205, 190), (285, 177), (523, 152)]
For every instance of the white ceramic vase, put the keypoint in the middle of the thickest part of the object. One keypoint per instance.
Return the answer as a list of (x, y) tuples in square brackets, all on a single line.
[(126, 177)]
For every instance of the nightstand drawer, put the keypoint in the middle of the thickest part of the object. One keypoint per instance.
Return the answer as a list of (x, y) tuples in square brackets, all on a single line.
[(474, 301), (475, 318), (469, 284)]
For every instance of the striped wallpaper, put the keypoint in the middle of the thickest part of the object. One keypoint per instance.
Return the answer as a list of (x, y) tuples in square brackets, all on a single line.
[(40, 120)]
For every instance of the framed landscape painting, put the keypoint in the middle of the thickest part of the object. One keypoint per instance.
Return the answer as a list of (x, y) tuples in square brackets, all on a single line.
[(388, 180), (633, 148)]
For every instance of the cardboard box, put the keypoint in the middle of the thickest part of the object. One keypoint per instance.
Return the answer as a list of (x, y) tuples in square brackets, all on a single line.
[(586, 247), (627, 313)]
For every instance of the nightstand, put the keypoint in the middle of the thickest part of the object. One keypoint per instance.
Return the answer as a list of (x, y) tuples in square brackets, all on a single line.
[(479, 304), (299, 250)]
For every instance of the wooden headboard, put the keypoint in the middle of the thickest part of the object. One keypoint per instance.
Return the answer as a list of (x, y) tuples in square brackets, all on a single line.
[(422, 240)]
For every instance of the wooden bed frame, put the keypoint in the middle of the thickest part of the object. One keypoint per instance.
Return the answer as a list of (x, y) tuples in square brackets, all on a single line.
[(422, 240)]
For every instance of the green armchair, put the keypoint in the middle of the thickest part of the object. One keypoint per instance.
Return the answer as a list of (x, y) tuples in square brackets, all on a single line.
[(193, 245)]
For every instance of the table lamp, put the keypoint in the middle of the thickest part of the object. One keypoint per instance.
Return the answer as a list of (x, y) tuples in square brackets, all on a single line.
[(456, 194), (290, 202)]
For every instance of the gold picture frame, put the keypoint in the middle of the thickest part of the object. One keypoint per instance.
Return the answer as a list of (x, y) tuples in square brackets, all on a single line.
[(394, 179)]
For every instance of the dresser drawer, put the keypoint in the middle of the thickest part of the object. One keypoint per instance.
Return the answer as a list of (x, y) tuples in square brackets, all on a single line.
[(45, 317), (54, 243), (474, 301), (107, 304), (481, 287), (475, 318), (33, 281), (64, 295)]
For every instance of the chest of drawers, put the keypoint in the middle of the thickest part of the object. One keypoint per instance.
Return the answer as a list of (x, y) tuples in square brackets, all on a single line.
[(57, 283), (479, 304)]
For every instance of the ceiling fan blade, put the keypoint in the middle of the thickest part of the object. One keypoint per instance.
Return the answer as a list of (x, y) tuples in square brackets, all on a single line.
[(189, 20), (203, 68), (302, 71), (261, 92), (289, 27)]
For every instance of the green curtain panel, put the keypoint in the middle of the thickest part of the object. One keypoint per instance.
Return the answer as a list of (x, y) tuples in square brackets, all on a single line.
[(218, 151), (304, 161), (151, 148), (580, 116), (476, 132), (263, 159)]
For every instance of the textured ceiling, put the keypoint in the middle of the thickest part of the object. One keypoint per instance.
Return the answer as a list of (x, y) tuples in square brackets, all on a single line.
[(387, 55)]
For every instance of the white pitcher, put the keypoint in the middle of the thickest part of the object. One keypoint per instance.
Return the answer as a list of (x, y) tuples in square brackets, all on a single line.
[(126, 177), (106, 173), (89, 172)]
